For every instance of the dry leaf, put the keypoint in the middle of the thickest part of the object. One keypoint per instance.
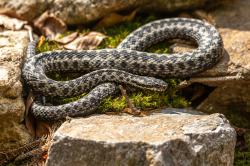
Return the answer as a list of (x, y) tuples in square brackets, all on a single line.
[(241, 138), (202, 14), (132, 112), (184, 15), (11, 23), (30, 125), (88, 41), (115, 18), (35, 127), (42, 128), (111, 113), (29, 119), (45, 156), (50, 25), (67, 39), (42, 40), (128, 111)]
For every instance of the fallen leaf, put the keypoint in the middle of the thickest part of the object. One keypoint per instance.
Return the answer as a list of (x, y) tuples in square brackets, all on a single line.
[(50, 25), (45, 156), (202, 14), (67, 39), (11, 23), (112, 113), (42, 40), (184, 15), (241, 140), (87, 42), (42, 128), (114, 18), (29, 119), (132, 112)]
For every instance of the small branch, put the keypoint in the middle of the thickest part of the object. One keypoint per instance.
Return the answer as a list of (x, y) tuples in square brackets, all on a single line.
[(186, 83), (218, 79), (129, 102), (34, 154), (6, 157)]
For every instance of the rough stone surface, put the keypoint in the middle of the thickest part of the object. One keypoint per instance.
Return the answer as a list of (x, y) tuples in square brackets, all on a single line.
[(84, 11), (23, 9), (13, 133), (79, 11), (168, 137)]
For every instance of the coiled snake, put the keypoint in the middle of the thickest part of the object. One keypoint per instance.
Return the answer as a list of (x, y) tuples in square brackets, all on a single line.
[(127, 64)]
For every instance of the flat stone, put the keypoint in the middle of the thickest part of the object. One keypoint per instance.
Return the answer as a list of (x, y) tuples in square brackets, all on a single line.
[(168, 137)]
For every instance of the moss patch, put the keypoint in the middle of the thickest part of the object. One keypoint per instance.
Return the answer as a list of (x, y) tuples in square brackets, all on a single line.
[(48, 46), (147, 100), (242, 158)]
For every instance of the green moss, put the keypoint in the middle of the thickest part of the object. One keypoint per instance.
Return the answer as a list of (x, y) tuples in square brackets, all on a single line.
[(48, 46), (144, 101), (117, 33), (242, 158)]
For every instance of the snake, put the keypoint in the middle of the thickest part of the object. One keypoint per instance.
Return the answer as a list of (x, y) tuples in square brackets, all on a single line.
[(105, 69)]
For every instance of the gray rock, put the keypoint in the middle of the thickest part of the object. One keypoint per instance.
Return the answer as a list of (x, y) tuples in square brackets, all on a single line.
[(13, 133), (24, 9), (169, 137), (85, 11)]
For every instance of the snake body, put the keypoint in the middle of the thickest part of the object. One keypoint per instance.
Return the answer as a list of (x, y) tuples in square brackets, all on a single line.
[(126, 64)]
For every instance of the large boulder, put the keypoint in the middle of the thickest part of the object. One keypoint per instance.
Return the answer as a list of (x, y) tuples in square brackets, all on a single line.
[(85, 11), (79, 11), (169, 137)]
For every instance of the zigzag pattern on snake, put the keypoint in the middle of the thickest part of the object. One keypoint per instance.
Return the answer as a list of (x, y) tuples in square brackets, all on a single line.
[(126, 64)]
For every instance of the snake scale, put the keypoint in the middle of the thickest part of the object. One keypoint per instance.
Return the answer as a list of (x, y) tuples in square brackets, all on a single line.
[(127, 64)]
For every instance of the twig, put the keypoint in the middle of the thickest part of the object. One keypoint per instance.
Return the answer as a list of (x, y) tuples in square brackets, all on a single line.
[(6, 157), (36, 153), (129, 102), (186, 83)]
